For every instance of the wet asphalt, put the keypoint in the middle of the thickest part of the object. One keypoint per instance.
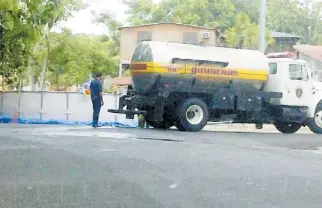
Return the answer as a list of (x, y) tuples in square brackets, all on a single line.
[(56, 166)]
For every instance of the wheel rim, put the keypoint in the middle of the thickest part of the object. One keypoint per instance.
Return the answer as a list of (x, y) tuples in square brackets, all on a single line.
[(318, 119), (194, 114)]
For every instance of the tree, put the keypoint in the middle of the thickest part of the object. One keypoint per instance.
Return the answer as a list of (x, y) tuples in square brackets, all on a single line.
[(16, 41), (291, 16), (217, 13), (24, 23), (73, 57), (244, 34), (113, 37)]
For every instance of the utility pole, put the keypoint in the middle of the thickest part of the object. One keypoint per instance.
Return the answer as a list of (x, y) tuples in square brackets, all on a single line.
[(262, 26)]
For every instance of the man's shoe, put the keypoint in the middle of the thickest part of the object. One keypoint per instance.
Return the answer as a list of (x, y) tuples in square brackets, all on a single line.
[(96, 126)]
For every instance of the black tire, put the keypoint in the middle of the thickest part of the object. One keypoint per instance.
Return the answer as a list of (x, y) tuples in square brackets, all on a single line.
[(160, 124), (182, 116), (312, 124), (288, 128)]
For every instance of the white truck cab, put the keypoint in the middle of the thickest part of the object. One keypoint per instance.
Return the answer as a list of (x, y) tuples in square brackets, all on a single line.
[(300, 87)]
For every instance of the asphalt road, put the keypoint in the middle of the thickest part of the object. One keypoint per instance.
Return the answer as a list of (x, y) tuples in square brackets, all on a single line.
[(53, 166)]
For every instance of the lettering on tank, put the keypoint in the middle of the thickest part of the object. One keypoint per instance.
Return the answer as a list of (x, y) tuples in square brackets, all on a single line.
[(218, 71), (170, 69), (173, 68)]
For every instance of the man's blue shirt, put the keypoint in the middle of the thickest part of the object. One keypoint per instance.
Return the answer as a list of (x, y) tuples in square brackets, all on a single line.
[(96, 89)]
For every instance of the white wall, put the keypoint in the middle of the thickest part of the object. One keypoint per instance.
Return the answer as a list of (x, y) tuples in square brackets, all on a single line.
[(59, 106)]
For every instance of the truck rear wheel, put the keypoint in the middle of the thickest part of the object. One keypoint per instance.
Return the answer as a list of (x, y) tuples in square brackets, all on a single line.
[(192, 115), (288, 128), (315, 124)]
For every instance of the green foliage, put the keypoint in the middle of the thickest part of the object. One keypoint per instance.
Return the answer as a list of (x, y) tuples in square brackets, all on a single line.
[(244, 34), (73, 57), (24, 23), (113, 38), (290, 16), (219, 13)]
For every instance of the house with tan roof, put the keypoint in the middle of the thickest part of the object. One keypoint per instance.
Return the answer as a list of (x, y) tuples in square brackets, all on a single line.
[(312, 54)]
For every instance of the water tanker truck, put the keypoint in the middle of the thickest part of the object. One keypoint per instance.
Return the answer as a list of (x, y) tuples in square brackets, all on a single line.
[(186, 86)]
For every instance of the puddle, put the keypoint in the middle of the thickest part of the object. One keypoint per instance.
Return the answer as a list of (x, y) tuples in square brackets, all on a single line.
[(85, 134), (316, 150), (97, 134)]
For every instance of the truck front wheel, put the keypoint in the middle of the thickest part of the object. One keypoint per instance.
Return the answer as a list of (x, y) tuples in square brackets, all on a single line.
[(315, 124), (288, 128), (192, 115)]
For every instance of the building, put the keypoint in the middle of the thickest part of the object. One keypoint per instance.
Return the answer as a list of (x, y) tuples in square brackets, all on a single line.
[(120, 84), (172, 32), (282, 42), (312, 54)]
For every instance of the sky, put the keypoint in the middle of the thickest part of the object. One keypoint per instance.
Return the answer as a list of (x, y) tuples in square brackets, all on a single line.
[(81, 22)]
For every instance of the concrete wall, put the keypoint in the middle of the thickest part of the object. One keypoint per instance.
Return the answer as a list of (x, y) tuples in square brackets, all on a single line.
[(59, 106), (160, 32)]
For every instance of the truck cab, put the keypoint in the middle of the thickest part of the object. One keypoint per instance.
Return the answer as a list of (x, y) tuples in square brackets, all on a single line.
[(300, 86)]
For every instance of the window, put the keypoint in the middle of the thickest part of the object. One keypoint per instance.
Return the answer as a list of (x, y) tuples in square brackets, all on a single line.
[(272, 68), (190, 38), (144, 36), (184, 62), (211, 63), (298, 72), (317, 76)]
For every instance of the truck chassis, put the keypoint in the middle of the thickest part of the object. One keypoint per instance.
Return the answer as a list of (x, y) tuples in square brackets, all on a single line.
[(189, 109)]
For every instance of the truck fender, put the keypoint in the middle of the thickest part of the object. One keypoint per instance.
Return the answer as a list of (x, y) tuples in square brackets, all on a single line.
[(316, 99)]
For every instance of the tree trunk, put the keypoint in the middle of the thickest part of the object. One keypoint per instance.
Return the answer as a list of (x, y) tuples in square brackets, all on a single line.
[(43, 73), (57, 80), (31, 81)]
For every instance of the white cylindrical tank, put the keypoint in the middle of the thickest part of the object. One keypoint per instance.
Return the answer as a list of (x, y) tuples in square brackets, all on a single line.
[(183, 65)]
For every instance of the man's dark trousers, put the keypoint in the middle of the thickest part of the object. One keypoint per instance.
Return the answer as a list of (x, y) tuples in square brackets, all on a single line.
[(96, 111)]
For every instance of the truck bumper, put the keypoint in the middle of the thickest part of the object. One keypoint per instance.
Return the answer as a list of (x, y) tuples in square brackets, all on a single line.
[(152, 107), (128, 105)]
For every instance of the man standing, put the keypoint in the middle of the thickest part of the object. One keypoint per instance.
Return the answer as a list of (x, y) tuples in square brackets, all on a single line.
[(97, 97)]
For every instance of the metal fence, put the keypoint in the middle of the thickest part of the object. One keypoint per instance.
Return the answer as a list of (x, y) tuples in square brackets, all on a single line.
[(60, 106)]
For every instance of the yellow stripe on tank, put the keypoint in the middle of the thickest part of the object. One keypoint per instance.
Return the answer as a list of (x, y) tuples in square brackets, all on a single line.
[(245, 74)]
